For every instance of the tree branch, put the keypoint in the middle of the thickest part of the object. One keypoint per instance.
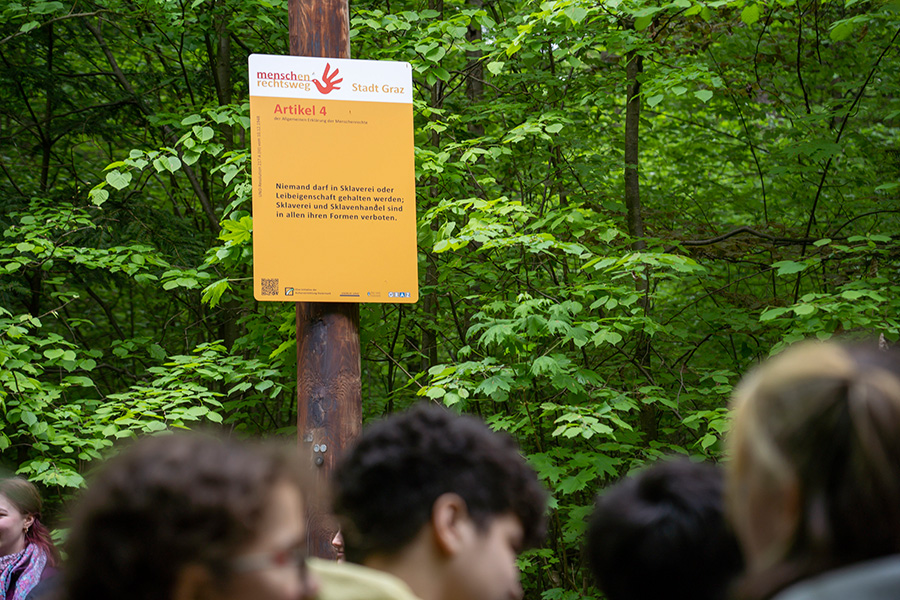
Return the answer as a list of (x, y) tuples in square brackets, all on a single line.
[(53, 20), (167, 131), (744, 229)]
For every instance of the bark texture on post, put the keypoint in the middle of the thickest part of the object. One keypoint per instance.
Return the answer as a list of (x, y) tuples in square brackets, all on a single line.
[(329, 384), (329, 402), (319, 28)]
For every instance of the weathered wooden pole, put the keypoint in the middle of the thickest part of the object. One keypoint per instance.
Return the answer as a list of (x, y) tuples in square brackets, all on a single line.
[(329, 395)]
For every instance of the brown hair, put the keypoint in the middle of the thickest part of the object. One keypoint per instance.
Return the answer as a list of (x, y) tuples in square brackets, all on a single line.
[(25, 496), (165, 503), (822, 419)]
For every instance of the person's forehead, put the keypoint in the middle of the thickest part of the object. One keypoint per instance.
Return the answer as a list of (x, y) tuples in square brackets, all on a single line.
[(6, 504)]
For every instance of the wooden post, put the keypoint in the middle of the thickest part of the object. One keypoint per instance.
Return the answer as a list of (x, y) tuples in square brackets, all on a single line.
[(319, 28), (329, 388)]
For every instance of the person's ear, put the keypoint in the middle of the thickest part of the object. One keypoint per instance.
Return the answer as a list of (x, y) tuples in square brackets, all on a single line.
[(451, 523), (194, 582), (29, 521)]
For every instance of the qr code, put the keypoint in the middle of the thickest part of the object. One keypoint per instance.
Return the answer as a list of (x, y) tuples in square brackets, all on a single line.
[(269, 287)]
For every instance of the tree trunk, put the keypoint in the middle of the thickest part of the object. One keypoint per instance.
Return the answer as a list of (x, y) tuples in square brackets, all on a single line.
[(428, 348), (633, 69)]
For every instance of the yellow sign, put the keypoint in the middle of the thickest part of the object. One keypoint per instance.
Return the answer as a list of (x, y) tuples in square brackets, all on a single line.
[(334, 199)]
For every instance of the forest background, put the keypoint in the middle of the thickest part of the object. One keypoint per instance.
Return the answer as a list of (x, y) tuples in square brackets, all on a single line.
[(595, 273)]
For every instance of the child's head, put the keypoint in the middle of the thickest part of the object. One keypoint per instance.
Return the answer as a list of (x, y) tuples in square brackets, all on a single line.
[(387, 483), (661, 533), (189, 516), (415, 472)]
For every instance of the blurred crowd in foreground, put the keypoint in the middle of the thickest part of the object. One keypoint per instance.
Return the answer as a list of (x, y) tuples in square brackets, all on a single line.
[(435, 506)]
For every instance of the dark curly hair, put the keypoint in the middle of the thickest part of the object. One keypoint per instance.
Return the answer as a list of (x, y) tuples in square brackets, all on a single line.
[(386, 484), (164, 503)]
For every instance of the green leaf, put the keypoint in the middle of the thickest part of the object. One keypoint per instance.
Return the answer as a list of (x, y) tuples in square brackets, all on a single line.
[(435, 392), (237, 232), (642, 23), (841, 30), (213, 292), (493, 385), (703, 95), (54, 353), (118, 179), (654, 100), (436, 54), (804, 309), (750, 14), (788, 267), (172, 164), (545, 365), (606, 336), (98, 196), (495, 67), (575, 13), (576, 483), (773, 313), (853, 294)]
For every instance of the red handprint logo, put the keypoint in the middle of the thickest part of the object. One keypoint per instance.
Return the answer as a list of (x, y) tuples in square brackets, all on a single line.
[(330, 81)]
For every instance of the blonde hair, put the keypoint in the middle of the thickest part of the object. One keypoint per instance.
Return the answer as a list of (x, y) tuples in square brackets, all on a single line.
[(823, 418)]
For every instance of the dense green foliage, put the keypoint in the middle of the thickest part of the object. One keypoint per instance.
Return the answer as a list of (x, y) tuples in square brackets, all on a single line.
[(601, 326)]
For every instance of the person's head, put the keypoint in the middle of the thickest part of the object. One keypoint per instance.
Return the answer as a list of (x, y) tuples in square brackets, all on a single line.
[(190, 517), (814, 480), (662, 533), (20, 518), (448, 483)]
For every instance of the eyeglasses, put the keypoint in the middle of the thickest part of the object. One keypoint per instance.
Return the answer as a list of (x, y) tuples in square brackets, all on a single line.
[(290, 557)]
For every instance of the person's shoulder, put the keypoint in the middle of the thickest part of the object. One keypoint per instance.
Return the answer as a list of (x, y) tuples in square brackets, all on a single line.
[(877, 579), (49, 585), (348, 581)]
